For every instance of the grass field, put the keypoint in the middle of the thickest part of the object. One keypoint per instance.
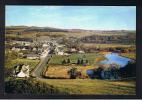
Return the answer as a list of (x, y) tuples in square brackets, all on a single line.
[(62, 71), (56, 69), (31, 63), (93, 87), (91, 57), (129, 55)]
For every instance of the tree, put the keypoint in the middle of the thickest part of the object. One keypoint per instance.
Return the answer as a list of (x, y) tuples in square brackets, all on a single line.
[(81, 61), (128, 71), (73, 73), (86, 61), (78, 61), (64, 61), (68, 60)]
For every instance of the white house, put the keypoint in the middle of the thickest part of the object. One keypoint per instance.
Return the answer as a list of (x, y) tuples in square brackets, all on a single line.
[(59, 49), (34, 49), (24, 71), (81, 51), (32, 56), (73, 50), (15, 49), (23, 49), (60, 53)]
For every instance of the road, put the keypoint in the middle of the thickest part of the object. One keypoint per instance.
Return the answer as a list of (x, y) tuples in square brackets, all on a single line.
[(37, 72)]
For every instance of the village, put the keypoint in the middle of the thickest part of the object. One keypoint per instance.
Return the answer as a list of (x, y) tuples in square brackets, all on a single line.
[(36, 50)]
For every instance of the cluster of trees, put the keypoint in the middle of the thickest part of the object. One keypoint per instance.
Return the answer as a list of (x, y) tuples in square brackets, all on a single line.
[(79, 61), (74, 73), (30, 87), (9, 56), (128, 71), (66, 61), (124, 39), (110, 49), (114, 72), (82, 62)]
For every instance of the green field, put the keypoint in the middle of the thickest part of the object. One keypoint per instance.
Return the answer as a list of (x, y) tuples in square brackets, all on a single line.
[(55, 68), (129, 55), (31, 63), (93, 87), (91, 57)]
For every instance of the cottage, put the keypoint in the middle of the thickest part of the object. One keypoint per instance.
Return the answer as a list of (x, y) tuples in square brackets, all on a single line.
[(24, 49), (81, 51), (60, 53), (34, 49), (24, 71), (32, 56), (73, 50), (66, 54), (15, 49)]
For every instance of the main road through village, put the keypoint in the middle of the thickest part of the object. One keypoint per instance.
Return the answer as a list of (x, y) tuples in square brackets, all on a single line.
[(37, 72)]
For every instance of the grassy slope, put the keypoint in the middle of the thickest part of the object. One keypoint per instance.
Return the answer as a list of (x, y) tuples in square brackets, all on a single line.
[(32, 63), (94, 87)]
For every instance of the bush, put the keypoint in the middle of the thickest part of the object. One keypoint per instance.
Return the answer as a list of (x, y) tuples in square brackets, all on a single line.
[(128, 71), (29, 86)]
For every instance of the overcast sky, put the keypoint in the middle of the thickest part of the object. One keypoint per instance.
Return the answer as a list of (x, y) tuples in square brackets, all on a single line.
[(78, 17)]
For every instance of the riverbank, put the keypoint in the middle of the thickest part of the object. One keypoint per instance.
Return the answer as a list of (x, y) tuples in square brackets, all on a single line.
[(129, 55)]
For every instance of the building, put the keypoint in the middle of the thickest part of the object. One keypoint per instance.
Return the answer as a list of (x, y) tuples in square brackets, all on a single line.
[(59, 50), (24, 71), (32, 56), (81, 51), (16, 49)]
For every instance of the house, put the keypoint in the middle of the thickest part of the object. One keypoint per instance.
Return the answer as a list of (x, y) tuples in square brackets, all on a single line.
[(34, 49), (81, 51), (32, 56), (24, 71), (60, 53), (45, 45), (59, 49), (24, 49), (24, 43), (73, 50), (27, 43), (16, 49), (66, 54)]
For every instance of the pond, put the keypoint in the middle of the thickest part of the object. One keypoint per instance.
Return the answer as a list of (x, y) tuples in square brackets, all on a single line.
[(108, 74), (115, 58)]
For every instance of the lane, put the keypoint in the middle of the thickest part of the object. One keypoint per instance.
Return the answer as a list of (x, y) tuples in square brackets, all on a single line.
[(37, 72)]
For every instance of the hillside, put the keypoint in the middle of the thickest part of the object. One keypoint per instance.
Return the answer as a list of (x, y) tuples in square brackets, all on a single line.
[(85, 36)]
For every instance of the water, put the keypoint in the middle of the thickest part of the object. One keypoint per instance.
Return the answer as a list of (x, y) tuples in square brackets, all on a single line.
[(90, 73), (115, 58), (111, 58)]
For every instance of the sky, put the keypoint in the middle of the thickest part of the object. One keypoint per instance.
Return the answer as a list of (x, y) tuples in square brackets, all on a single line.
[(73, 17)]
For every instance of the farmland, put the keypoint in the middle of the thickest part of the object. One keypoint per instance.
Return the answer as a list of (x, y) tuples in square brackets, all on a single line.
[(91, 57), (129, 55), (32, 63), (93, 87)]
